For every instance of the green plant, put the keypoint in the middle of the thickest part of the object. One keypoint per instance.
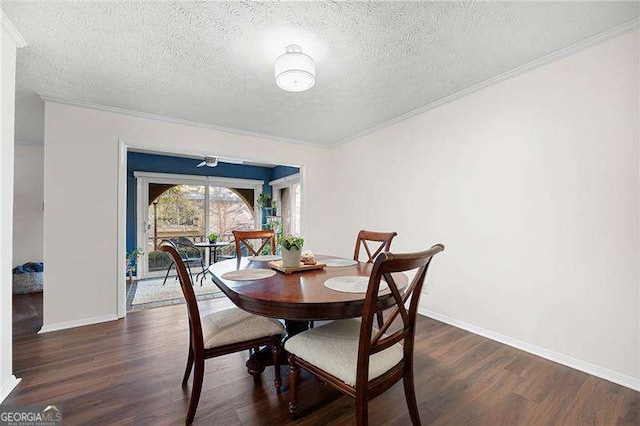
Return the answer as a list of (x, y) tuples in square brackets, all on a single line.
[(274, 223), (213, 236), (132, 257), (290, 242), (266, 250), (274, 206), (264, 199), (132, 261)]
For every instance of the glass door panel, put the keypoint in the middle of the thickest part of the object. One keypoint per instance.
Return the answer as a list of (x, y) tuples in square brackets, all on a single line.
[(176, 212), (230, 210)]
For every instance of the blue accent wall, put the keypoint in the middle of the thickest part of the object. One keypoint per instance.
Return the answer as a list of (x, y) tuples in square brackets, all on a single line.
[(283, 171), (141, 162)]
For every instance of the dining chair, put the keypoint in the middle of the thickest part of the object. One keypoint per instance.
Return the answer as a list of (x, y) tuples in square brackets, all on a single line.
[(220, 333), (385, 239), (355, 357), (243, 238)]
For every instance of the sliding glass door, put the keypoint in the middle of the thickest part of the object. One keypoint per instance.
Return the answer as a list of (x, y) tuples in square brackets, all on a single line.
[(190, 208)]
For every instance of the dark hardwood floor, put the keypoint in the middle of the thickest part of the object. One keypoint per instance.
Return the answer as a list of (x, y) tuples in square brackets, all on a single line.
[(129, 372)]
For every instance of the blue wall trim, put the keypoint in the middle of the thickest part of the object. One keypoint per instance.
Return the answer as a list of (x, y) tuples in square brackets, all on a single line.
[(140, 162)]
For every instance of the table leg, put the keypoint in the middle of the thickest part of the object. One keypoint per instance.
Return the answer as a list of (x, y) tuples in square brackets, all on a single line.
[(263, 358), (294, 327)]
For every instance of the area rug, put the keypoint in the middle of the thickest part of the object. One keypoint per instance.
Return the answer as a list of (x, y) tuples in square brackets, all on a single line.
[(148, 291)]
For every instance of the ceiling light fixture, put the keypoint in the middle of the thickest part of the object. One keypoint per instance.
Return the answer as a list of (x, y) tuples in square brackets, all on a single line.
[(295, 71)]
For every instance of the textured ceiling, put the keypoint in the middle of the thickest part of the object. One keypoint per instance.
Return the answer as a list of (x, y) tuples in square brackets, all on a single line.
[(213, 62)]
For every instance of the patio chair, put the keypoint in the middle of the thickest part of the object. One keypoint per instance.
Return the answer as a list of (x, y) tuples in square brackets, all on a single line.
[(230, 251), (189, 253)]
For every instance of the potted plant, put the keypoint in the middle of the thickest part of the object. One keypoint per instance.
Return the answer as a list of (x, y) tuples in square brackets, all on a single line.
[(213, 237), (264, 200), (274, 206), (132, 262), (291, 248)]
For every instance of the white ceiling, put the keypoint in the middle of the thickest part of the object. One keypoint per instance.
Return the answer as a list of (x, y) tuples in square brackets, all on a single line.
[(213, 62)]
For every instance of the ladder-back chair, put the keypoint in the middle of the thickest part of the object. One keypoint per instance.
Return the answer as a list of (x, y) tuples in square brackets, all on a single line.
[(243, 238), (358, 359), (220, 333), (384, 239)]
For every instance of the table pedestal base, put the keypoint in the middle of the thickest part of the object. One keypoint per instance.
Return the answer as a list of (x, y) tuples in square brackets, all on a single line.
[(263, 358)]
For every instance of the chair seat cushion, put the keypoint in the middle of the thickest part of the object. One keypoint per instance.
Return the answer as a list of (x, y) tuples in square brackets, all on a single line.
[(234, 325), (333, 348)]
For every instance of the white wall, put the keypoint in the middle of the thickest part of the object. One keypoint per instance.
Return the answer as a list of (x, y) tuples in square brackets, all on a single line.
[(80, 191), (9, 41), (532, 184), (28, 196)]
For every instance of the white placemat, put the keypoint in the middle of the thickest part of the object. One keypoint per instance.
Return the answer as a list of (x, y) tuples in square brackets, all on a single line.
[(352, 284), (339, 262), (249, 274), (264, 258)]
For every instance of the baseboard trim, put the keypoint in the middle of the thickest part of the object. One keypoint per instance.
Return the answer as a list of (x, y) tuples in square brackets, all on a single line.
[(47, 328), (594, 370), (8, 386)]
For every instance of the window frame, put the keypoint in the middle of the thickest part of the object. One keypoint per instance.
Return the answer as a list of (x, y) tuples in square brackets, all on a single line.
[(283, 183)]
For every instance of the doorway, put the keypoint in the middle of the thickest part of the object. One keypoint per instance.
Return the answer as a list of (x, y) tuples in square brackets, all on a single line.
[(235, 187), (186, 209)]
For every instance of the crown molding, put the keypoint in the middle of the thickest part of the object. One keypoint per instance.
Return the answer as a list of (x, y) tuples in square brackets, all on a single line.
[(168, 119), (529, 66), (11, 30)]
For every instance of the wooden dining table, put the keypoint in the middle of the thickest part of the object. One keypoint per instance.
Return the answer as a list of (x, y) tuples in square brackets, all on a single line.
[(296, 298)]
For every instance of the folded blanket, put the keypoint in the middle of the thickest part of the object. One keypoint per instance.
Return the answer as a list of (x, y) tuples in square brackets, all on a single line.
[(28, 268)]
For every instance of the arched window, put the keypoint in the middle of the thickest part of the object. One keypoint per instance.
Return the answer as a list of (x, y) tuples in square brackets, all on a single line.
[(181, 211), (229, 211)]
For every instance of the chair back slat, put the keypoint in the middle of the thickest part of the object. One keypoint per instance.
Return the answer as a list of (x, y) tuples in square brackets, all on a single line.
[(242, 238), (388, 341), (364, 237), (382, 330), (195, 325), (386, 264), (393, 287)]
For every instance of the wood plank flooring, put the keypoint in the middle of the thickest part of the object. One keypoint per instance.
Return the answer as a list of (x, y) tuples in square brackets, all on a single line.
[(129, 372)]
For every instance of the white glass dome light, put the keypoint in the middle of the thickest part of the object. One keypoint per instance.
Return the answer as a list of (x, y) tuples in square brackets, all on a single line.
[(295, 71)]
